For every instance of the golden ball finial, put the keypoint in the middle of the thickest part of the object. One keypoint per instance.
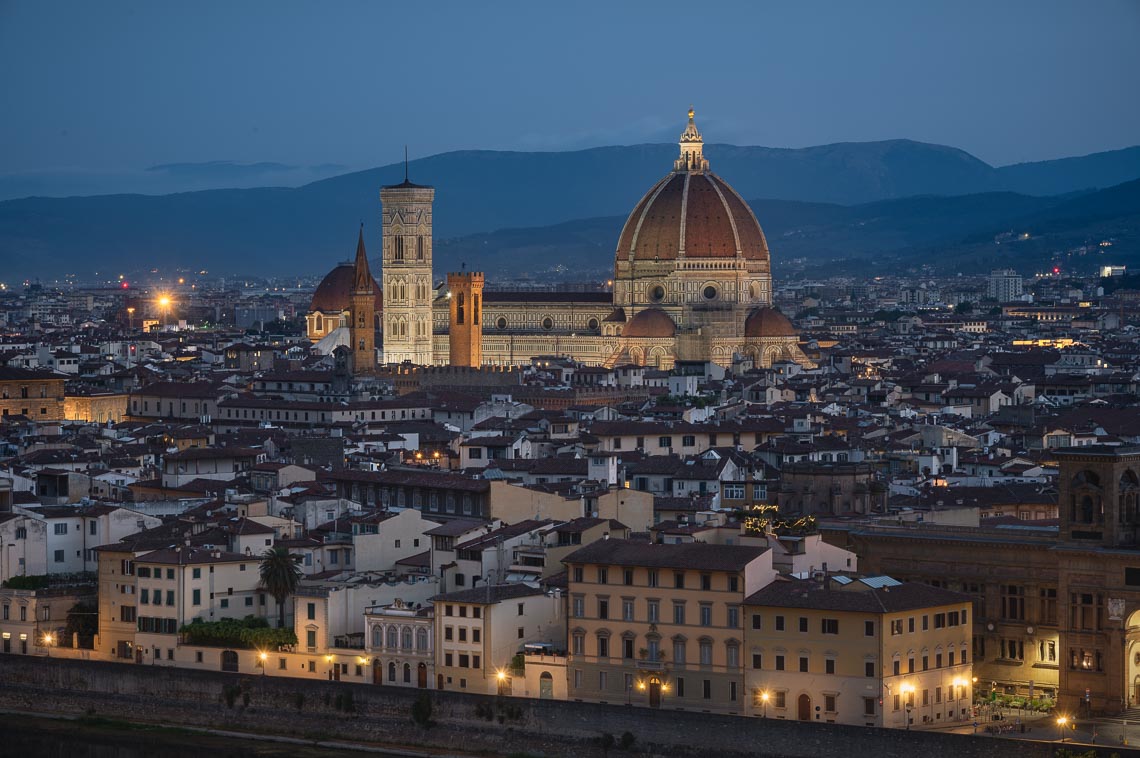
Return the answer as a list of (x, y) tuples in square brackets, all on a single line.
[(691, 113)]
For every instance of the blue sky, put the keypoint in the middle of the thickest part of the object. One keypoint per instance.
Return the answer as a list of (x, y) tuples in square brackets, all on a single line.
[(120, 86)]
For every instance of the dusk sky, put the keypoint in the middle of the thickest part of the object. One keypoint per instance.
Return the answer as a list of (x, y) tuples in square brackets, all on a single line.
[(125, 85)]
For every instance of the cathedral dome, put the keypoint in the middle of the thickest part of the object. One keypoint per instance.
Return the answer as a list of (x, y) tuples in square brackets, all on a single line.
[(693, 212), (767, 322), (334, 293), (650, 323)]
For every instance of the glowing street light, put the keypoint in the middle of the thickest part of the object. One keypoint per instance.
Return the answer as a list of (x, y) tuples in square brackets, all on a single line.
[(262, 658), (908, 695), (764, 697), (1061, 721), (164, 304)]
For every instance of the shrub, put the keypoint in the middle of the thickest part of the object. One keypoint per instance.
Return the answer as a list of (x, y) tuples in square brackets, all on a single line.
[(627, 740), (250, 632), (421, 711)]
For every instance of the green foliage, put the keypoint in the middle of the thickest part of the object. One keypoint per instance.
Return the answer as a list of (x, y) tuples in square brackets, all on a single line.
[(344, 702), (280, 576), (230, 693), (518, 664), (83, 623), (31, 582), (963, 308), (627, 740), (250, 632), (887, 316), (421, 711)]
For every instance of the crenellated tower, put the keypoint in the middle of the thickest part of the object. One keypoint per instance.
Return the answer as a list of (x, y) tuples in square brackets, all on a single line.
[(362, 313), (465, 327), (407, 276)]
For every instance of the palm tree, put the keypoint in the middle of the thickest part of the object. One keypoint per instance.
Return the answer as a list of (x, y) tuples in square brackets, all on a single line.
[(280, 575)]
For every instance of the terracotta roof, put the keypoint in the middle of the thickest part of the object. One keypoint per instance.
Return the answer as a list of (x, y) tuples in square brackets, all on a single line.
[(696, 555), (904, 597), (334, 293), (768, 322), (717, 224), (651, 322)]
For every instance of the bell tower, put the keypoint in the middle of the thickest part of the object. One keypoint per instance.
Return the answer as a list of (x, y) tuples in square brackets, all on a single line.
[(465, 326), (362, 313), (406, 212)]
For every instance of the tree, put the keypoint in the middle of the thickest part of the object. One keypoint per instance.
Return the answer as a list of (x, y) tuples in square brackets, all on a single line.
[(83, 622), (964, 308), (280, 575)]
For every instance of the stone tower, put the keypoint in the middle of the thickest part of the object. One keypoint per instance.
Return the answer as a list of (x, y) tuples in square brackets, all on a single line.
[(362, 313), (465, 327), (407, 277)]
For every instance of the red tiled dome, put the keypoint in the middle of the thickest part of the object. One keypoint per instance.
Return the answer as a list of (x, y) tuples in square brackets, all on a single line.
[(650, 323), (718, 223), (334, 293), (767, 322)]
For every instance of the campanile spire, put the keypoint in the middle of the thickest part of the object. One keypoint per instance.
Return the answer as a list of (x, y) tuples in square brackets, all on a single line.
[(692, 149)]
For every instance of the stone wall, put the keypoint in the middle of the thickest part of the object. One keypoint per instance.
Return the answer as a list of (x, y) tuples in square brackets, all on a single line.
[(463, 722)]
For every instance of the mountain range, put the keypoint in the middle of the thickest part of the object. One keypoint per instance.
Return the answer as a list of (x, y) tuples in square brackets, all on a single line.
[(494, 210)]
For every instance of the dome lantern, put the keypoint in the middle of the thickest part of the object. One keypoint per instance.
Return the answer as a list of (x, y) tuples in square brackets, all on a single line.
[(692, 149)]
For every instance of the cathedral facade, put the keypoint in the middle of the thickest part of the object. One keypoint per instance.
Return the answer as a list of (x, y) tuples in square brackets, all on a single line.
[(692, 281)]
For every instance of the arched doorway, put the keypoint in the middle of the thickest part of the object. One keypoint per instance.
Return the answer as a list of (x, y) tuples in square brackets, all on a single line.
[(803, 708), (377, 671), (1132, 660), (421, 676), (545, 686), (654, 693), (229, 660), (439, 681), (407, 673), (391, 671)]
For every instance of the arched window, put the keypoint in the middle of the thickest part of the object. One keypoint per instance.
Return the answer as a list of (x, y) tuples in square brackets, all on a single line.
[(407, 673), (475, 310), (419, 248), (421, 639), (377, 637), (459, 308), (406, 638), (393, 637), (391, 671), (398, 252)]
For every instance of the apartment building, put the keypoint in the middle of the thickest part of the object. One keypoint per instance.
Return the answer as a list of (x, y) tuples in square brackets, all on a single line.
[(868, 652), (478, 633), (178, 585), (661, 624)]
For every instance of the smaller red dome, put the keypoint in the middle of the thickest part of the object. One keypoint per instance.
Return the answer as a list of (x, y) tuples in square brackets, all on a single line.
[(650, 323), (768, 322), (334, 293)]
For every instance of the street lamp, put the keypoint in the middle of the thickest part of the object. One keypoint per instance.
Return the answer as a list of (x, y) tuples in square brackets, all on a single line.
[(764, 700), (261, 660), (958, 683), (908, 695), (48, 640), (164, 304), (1061, 721), (130, 318)]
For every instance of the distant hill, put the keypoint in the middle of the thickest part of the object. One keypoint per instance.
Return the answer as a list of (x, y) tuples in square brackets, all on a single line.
[(307, 229), (957, 233)]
